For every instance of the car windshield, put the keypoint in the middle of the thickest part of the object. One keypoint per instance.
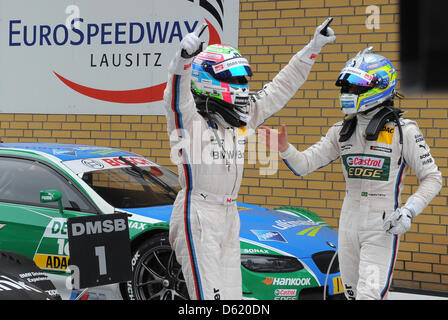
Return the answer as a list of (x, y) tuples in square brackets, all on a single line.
[(134, 187)]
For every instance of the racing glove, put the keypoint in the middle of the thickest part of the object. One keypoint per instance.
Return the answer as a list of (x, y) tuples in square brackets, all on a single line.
[(399, 221), (190, 46), (313, 48)]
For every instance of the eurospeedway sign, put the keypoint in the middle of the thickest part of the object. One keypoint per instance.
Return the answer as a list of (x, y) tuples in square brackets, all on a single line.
[(101, 56)]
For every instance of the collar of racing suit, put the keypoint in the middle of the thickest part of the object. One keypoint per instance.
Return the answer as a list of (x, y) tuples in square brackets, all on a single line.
[(211, 107), (373, 121), (365, 118)]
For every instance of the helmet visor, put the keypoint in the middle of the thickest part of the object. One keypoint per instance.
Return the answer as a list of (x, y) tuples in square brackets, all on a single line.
[(235, 67), (355, 77)]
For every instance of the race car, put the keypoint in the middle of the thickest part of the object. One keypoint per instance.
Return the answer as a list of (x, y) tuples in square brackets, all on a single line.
[(286, 254)]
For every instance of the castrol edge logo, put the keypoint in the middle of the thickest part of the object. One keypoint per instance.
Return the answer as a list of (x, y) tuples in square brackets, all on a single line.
[(365, 161), (361, 166)]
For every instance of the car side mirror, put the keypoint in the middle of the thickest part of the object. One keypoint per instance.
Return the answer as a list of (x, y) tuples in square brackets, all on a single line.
[(52, 196)]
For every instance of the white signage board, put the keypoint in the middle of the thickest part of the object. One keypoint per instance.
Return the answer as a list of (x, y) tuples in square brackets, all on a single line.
[(99, 56)]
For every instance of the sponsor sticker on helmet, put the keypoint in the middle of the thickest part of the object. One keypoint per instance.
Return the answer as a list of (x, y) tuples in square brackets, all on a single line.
[(231, 63), (358, 72)]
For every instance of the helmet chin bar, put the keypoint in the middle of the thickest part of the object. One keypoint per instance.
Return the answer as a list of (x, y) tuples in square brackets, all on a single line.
[(349, 100), (349, 103)]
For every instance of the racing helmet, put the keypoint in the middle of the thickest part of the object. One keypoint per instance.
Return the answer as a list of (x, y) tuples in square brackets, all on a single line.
[(366, 81), (220, 72)]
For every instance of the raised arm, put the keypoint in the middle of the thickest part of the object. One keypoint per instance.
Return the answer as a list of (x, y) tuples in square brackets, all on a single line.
[(179, 103)]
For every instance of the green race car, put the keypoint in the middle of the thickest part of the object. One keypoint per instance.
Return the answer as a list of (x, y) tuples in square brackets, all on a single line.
[(286, 254)]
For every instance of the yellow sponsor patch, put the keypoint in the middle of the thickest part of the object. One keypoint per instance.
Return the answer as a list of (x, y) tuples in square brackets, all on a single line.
[(337, 285), (51, 262), (242, 131), (386, 135)]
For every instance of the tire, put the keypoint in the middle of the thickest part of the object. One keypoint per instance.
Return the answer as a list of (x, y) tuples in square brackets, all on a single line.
[(156, 275)]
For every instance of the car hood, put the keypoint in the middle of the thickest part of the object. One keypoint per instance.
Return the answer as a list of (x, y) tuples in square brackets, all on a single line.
[(277, 230)]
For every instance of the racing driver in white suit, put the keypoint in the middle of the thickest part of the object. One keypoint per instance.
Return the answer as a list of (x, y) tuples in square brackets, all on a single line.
[(207, 96), (376, 147)]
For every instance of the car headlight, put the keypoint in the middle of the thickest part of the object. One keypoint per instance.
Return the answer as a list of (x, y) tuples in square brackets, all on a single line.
[(322, 260), (270, 263)]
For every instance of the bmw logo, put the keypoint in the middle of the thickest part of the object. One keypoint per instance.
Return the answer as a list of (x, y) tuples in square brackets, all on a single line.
[(94, 164), (331, 244)]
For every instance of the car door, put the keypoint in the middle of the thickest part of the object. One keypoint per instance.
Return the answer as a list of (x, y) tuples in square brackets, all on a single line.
[(29, 227)]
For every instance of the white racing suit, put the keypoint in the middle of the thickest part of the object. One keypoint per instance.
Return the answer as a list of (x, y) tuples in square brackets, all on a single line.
[(204, 227), (374, 178)]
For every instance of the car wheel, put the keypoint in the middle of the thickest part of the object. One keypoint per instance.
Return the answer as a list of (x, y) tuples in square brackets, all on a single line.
[(156, 275)]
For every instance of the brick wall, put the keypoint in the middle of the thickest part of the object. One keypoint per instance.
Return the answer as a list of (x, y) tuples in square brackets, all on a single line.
[(270, 33)]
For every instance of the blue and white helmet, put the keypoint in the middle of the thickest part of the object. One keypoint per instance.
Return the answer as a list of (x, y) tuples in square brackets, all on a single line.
[(366, 81)]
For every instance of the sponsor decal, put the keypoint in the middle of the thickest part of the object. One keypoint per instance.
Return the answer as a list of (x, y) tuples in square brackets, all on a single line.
[(55, 236), (57, 228), (109, 51), (138, 161), (92, 163), (359, 73), (137, 225), (254, 251), (287, 281), (242, 131), (8, 284), (52, 262), (386, 135), (350, 292), (284, 224), (338, 287), (365, 161), (285, 294), (105, 152), (65, 152), (426, 155), (311, 232), (362, 166), (226, 65), (382, 149), (419, 138), (366, 194), (266, 235), (216, 294)]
